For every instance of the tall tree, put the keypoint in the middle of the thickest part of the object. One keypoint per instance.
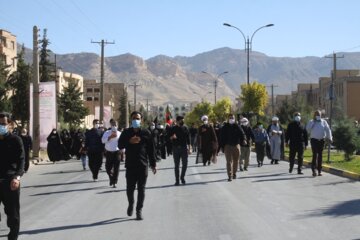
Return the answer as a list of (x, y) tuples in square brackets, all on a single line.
[(254, 97), (222, 109), (45, 66), (19, 83), (204, 108), (5, 104), (123, 109), (71, 106)]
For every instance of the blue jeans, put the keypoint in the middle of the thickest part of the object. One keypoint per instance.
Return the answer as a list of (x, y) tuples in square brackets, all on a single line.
[(180, 152), (83, 159)]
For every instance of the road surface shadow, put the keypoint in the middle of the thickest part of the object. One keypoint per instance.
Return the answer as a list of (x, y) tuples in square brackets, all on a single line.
[(59, 184), (188, 184), (67, 191), (71, 171), (282, 179), (61, 228), (342, 209)]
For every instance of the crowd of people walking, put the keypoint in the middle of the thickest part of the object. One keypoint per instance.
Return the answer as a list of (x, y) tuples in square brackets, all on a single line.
[(141, 148)]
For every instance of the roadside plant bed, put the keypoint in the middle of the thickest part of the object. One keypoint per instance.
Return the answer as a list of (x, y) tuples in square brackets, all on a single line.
[(337, 160)]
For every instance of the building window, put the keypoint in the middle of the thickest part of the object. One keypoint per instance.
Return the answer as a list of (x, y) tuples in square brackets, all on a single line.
[(96, 90), (89, 99), (3, 41), (89, 90), (96, 99), (13, 45), (13, 62)]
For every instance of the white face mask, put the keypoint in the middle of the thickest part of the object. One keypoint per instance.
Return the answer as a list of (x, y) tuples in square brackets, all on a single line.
[(318, 118), (206, 122), (113, 128), (97, 125), (152, 127), (297, 118), (231, 121)]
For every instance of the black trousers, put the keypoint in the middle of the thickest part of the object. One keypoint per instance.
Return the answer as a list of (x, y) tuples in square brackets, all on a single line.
[(180, 152), (27, 160), (112, 166), (299, 150), (136, 177), (11, 201), (260, 149), (95, 162), (317, 147)]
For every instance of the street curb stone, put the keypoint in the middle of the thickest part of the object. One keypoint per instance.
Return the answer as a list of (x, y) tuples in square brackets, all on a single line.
[(332, 170)]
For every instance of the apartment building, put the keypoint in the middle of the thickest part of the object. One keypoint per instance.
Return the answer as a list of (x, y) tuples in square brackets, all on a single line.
[(112, 94), (8, 49)]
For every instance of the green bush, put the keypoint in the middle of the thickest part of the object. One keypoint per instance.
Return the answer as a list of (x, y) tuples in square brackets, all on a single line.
[(346, 138)]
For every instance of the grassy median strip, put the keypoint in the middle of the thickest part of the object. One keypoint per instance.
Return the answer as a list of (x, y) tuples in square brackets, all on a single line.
[(336, 160)]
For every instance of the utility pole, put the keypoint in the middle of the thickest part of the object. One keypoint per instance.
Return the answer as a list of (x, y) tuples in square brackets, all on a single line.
[(215, 86), (332, 96), (102, 43), (127, 108), (272, 86), (135, 85), (56, 93), (36, 92)]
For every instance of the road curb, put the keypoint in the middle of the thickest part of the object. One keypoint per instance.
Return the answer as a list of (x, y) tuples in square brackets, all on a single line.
[(332, 170)]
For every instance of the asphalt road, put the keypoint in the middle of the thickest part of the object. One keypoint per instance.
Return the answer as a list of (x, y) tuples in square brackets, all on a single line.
[(61, 202)]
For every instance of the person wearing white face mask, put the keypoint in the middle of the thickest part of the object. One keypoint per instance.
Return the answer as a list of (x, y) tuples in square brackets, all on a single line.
[(297, 135), (276, 136), (320, 132), (207, 142), (231, 135), (245, 148), (140, 153), (110, 139), (11, 170), (261, 140)]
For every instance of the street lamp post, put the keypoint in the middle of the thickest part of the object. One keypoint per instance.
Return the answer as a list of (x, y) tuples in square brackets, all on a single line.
[(202, 97), (215, 81), (248, 45)]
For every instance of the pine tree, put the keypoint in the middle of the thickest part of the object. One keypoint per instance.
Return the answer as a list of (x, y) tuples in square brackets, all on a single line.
[(5, 104), (123, 108), (45, 66), (71, 107), (19, 82)]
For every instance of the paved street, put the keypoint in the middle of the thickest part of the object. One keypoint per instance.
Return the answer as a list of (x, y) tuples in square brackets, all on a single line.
[(61, 202)]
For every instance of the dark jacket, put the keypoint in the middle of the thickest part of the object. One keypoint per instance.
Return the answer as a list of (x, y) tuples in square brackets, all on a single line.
[(182, 135), (93, 140), (249, 136), (12, 158), (296, 134), (231, 134), (141, 154), (27, 141)]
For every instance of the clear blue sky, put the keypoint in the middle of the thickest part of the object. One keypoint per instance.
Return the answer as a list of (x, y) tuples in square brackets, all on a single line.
[(148, 28)]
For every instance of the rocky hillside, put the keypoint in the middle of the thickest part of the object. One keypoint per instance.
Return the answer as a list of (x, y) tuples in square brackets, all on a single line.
[(179, 79)]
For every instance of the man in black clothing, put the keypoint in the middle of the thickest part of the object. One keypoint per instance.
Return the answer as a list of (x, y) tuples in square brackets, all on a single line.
[(193, 136), (11, 169), (95, 148), (180, 137), (27, 141), (298, 137), (140, 152)]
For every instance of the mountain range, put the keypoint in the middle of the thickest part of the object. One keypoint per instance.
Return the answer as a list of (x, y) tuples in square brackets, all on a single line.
[(181, 79)]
